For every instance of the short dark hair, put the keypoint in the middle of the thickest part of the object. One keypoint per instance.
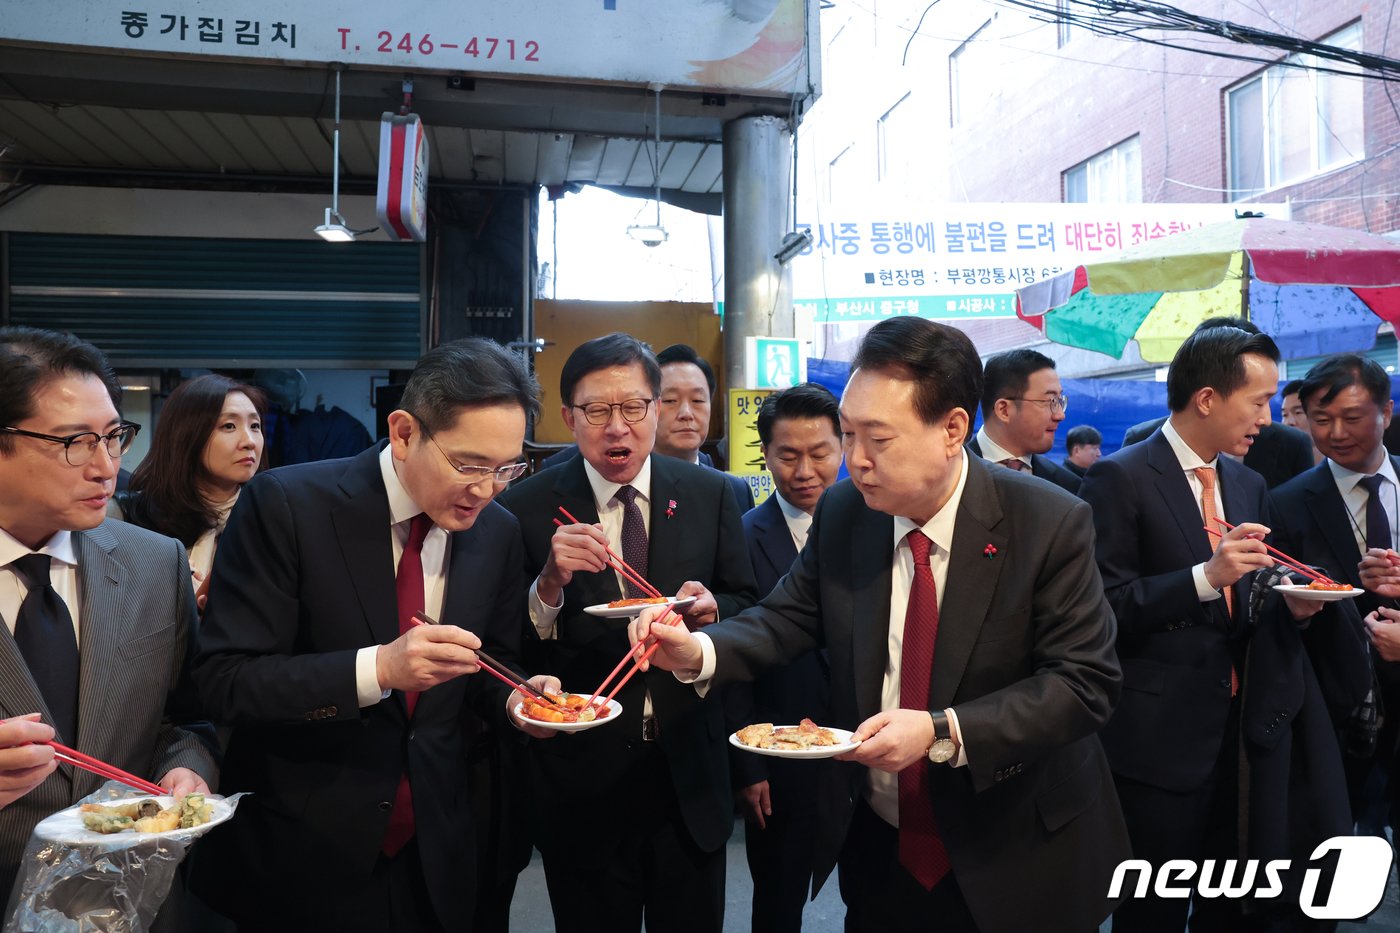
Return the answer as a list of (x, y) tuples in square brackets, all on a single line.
[(30, 358), (1082, 435), (684, 353), (615, 349), (1342, 371), (1244, 324), (170, 475), (941, 360), (1290, 388), (467, 373), (1006, 375), (1214, 357), (808, 400)]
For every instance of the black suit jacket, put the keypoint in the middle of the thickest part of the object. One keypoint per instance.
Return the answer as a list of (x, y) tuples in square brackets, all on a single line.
[(1042, 467), (743, 492), (1278, 454), (784, 696), (1177, 653), (304, 578), (701, 540), (1024, 656)]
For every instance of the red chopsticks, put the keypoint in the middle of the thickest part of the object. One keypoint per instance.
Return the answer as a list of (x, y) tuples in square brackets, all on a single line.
[(669, 616), (491, 666), (1283, 558), (99, 767)]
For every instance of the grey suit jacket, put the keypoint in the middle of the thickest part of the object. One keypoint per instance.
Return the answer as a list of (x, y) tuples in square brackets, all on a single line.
[(136, 625), (1024, 655)]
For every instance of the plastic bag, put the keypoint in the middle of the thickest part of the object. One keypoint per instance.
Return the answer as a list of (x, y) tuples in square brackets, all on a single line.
[(115, 884)]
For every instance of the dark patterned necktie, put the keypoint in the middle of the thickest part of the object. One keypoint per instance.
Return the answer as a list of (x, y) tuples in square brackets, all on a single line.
[(1377, 522), (409, 590), (1014, 463), (634, 538), (44, 634), (921, 850)]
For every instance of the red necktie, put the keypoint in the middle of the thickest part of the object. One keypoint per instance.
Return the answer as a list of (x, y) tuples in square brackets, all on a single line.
[(408, 586), (1014, 463), (921, 851)]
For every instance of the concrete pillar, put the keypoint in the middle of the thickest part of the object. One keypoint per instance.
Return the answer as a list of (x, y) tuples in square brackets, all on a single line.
[(757, 206)]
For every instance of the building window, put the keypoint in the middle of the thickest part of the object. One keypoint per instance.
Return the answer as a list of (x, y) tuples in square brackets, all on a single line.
[(1064, 30), (964, 79), (896, 136), (1113, 175), (1292, 121)]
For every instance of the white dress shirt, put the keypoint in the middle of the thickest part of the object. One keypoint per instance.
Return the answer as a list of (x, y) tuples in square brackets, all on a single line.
[(63, 574), (1355, 496), (996, 453), (1189, 461), (437, 548), (799, 523), (883, 787)]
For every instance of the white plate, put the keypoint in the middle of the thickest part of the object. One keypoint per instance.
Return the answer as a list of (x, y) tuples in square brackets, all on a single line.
[(626, 612), (1321, 596), (614, 711), (66, 826), (844, 744)]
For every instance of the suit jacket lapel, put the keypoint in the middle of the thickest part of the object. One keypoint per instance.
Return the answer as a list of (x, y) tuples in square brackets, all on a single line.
[(18, 692), (362, 525), (1327, 508), (972, 579), (1237, 510), (869, 560), (102, 624), (1181, 502), (663, 537), (772, 538)]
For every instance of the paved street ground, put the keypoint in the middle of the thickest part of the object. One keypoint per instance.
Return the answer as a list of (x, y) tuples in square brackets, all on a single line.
[(530, 912)]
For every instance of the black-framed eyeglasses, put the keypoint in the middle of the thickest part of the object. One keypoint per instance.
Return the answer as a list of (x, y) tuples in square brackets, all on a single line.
[(600, 413), (475, 474), (78, 449), (1055, 402)]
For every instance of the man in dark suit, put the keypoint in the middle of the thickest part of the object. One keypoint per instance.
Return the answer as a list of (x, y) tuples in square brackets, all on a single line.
[(1023, 404), (347, 725), (1342, 510), (1083, 446), (800, 433), (632, 817), (1208, 677), (682, 416), (980, 798), (98, 615)]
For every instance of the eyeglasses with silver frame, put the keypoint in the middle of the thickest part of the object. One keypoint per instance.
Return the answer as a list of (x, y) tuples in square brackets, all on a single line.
[(1056, 402), (475, 474), (79, 449)]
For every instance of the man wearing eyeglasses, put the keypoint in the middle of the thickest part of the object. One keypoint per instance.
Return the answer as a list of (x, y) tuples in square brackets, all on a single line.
[(631, 818), (98, 616), (1022, 406), (350, 721)]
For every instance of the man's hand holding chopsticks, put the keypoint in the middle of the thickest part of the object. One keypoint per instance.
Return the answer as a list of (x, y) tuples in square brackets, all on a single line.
[(425, 656), (1241, 551), (24, 765), (678, 649), (573, 548)]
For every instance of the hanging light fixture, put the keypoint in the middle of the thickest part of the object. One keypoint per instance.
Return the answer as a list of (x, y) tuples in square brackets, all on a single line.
[(653, 234), (337, 231)]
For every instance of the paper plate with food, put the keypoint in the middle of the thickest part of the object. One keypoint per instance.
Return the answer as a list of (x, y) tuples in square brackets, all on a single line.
[(121, 823), (569, 712), (804, 740), (1319, 591), (625, 608)]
